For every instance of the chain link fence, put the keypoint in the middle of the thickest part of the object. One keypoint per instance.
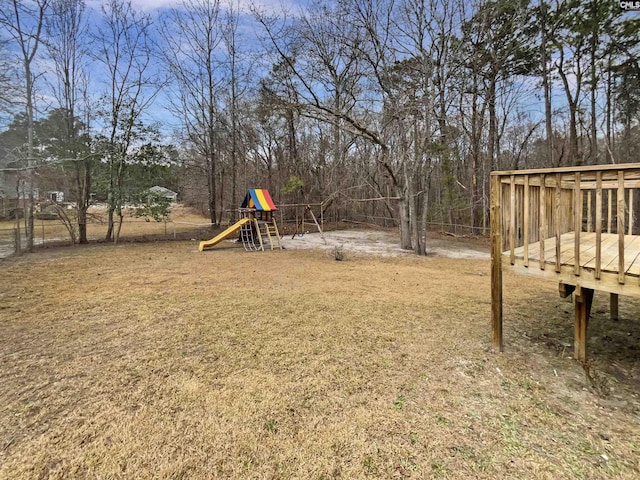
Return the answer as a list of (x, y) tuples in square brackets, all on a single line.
[(53, 232)]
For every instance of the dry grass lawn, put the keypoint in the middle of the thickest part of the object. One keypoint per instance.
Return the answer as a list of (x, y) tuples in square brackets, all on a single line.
[(156, 361)]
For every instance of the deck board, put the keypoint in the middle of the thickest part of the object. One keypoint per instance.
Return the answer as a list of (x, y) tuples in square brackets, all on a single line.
[(609, 252)]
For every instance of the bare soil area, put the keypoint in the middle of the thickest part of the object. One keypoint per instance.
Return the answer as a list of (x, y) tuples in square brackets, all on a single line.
[(156, 361), (382, 243)]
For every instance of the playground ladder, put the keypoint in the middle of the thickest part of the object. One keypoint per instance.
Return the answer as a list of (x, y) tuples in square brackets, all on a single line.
[(246, 235), (257, 231), (271, 229)]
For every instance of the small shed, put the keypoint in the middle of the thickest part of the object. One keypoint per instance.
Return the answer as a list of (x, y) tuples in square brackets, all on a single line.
[(165, 192), (54, 196)]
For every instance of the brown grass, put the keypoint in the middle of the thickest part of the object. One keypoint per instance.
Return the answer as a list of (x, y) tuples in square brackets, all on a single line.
[(156, 361)]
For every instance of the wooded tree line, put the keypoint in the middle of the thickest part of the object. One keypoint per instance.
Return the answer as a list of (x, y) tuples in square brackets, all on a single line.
[(384, 109)]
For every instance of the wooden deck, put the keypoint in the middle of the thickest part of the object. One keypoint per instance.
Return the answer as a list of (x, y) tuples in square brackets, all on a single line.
[(573, 225), (529, 255)]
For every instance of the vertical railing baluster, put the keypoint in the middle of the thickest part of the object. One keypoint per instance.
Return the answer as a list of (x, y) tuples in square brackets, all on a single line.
[(621, 212), (630, 230), (543, 219), (512, 221), (609, 209), (577, 221), (598, 224), (557, 220), (589, 222), (525, 222)]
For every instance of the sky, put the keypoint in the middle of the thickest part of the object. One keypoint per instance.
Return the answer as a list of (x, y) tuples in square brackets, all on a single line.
[(271, 6), (159, 112), (248, 27)]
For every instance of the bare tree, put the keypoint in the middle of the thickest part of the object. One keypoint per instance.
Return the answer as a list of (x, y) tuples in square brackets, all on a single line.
[(124, 47), (369, 39), (192, 36), (66, 44), (9, 83), (230, 39), (25, 21), (337, 68)]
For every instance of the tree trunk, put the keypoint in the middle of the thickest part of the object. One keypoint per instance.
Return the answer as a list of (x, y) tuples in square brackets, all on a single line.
[(116, 237), (593, 154), (83, 186), (110, 208), (28, 211), (109, 236), (211, 183), (405, 220), (574, 157), (234, 126), (18, 239), (546, 85), (609, 114), (476, 161), (413, 214), (292, 143)]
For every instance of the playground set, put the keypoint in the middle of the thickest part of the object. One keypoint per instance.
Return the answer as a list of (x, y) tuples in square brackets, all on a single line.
[(257, 225)]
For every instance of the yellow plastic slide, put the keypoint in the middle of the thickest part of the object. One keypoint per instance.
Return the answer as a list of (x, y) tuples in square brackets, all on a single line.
[(228, 232)]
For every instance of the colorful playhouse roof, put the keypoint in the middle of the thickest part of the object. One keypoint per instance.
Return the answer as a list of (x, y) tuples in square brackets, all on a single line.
[(259, 199)]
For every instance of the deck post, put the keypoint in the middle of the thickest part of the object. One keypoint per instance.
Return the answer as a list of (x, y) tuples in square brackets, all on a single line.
[(613, 306), (583, 301), (496, 262)]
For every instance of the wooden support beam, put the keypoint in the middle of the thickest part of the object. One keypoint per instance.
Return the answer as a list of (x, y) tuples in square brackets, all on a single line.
[(613, 303), (571, 169), (565, 289), (257, 228), (496, 262), (317, 224), (608, 182), (583, 301)]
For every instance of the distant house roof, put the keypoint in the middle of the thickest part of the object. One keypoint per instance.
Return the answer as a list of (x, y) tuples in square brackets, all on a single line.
[(163, 191)]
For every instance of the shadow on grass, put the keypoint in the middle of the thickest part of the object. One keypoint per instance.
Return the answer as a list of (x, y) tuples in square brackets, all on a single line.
[(613, 346)]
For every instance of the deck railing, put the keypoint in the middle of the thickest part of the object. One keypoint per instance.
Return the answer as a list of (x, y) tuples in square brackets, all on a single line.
[(530, 206), (596, 205)]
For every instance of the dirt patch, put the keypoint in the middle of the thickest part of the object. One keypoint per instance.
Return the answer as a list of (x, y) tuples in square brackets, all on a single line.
[(155, 361), (382, 243)]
